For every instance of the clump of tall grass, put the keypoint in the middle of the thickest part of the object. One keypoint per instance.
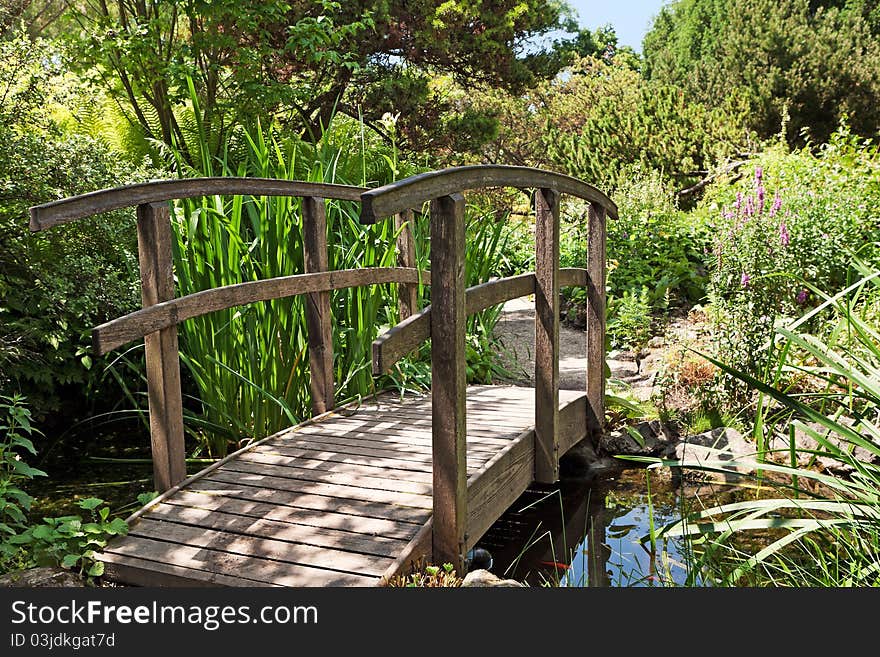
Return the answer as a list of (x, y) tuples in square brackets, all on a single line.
[(817, 528)]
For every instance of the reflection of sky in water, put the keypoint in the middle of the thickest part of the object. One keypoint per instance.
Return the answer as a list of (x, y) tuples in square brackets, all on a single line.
[(546, 537), (629, 561)]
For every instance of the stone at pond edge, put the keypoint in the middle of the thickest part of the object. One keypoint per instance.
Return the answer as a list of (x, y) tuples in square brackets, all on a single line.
[(44, 577), (483, 579), (657, 440), (723, 449), (582, 462)]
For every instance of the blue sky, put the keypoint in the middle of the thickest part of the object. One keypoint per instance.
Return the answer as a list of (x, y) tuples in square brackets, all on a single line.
[(630, 18)]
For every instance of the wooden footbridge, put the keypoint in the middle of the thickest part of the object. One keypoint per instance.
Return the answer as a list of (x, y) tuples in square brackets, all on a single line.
[(358, 493)]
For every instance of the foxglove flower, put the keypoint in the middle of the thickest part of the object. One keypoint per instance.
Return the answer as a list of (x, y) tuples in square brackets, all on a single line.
[(784, 237)]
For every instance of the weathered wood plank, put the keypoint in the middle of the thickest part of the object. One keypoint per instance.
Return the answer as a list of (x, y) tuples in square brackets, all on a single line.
[(338, 457), (400, 340), (412, 192), (407, 293), (573, 277), (318, 320), (232, 486), (448, 379), (133, 326), (333, 539), (323, 466), (161, 349), (264, 548), (227, 563), (416, 445), (85, 205), (596, 320), (338, 491), (546, 336), (356, 447), (497, 485), (411, 556), (141, 572), (325, 519), (401, 431), (289, 471), (572, 423)]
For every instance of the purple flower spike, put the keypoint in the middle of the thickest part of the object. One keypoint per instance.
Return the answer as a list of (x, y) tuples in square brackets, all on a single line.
[(777, 205), (739, 200), (750, 207), (760, 198), (784, 237), (744, 281), (802, 297), (759, 173)]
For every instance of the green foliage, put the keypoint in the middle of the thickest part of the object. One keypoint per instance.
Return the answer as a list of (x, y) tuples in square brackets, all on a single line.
[(302, 61), (428, 576), (69, 541), (800, 65), (15, 438), (629, 326), (602, 120), (771, 255), (72, 542), (55, 284)]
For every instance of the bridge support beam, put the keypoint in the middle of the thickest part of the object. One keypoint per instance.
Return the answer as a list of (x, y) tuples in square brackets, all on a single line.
[(318, 321), (448, 380), (596, 320), (161, 348), (546, 336)]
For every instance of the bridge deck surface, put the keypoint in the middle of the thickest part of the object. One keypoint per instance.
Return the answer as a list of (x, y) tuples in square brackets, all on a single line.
[(331, 502)]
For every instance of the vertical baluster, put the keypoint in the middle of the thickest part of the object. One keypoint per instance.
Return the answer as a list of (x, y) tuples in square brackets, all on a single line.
[(161, 348), (318, 320), (547, 336), (596, 320), (448, 379)]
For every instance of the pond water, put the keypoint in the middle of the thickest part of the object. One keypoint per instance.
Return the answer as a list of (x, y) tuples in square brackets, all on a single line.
[(597, 533)]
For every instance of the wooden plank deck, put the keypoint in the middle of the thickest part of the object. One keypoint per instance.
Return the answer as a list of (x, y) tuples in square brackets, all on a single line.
[(341, 500)]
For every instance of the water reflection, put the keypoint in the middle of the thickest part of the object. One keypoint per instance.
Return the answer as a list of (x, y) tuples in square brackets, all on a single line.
[(588, 534)]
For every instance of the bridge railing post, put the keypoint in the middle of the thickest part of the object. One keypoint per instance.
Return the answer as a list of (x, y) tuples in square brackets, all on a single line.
[(161, 348), (448, 380), (318, 319), (408, 294), (596, 320), (546, 336)]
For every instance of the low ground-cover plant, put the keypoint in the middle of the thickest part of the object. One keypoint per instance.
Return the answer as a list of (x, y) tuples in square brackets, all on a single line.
[(71, 542)]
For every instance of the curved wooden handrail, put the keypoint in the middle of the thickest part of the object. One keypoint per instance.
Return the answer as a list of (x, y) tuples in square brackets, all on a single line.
[(140, 323), (104, 200), (412, 192), (401, 339)]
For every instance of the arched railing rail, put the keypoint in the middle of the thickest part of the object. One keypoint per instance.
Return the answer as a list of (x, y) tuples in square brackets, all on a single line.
[(105, 200), (157, 321), (451, 303), (414, 191)]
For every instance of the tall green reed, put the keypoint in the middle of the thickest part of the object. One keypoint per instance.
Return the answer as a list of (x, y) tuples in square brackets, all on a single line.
[(249, 365)]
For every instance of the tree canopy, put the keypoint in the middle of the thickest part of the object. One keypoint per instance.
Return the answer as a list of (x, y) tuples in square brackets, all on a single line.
[(803, 64), (303, 60)]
